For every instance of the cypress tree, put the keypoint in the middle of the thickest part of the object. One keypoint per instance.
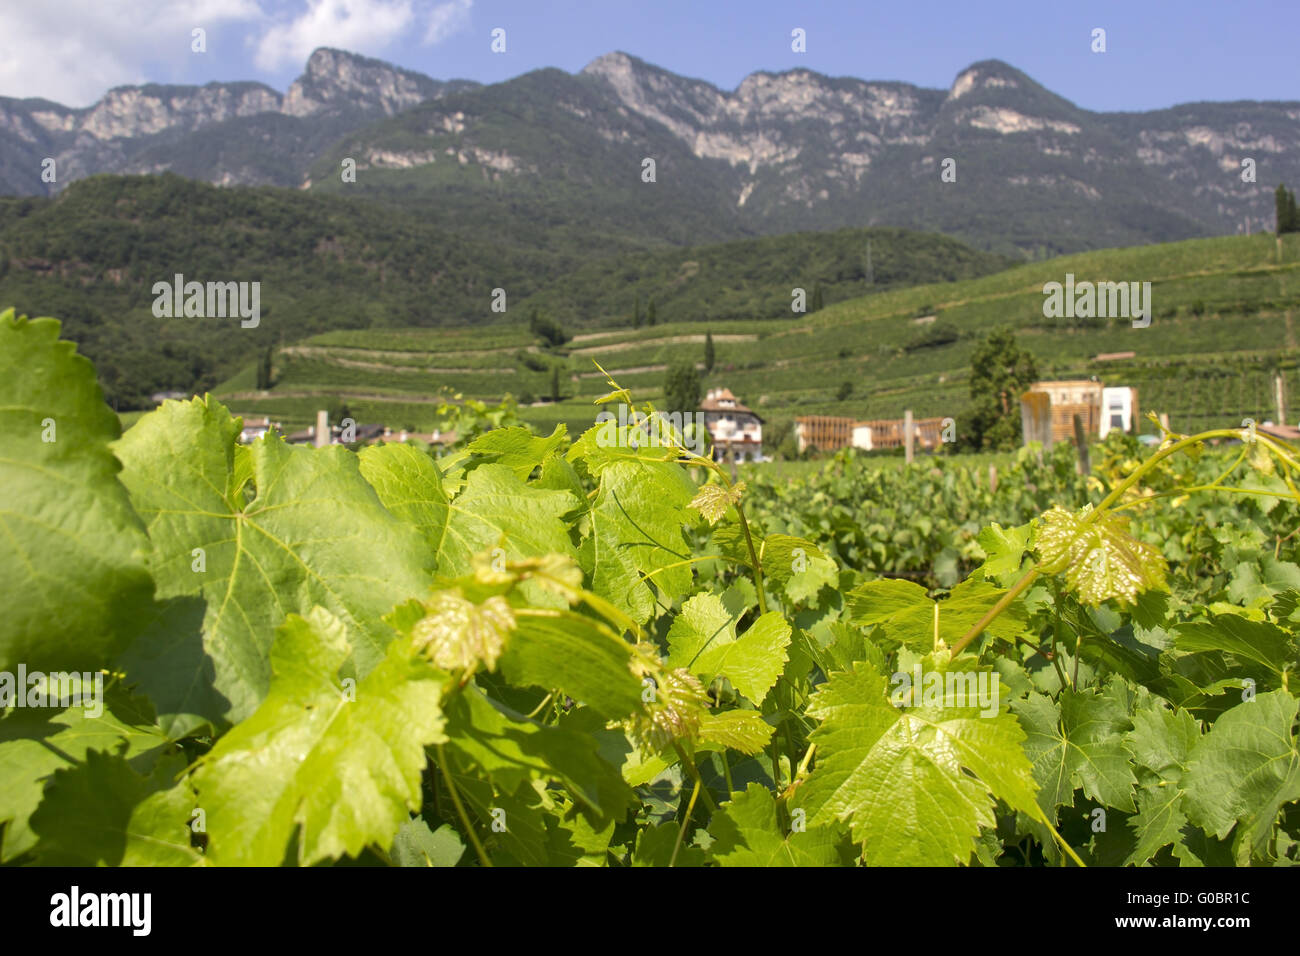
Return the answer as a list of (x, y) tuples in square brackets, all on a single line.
[(650, 316), (708, 351), (264, 370), (555, 383), (1285, 209)]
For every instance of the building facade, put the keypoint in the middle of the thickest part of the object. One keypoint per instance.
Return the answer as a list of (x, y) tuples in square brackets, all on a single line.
[(831, 433), (735, 430), (1048, 409)]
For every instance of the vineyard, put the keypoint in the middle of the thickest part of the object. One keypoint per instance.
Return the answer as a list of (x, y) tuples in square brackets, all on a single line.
[(1222, 331), (598, 649)]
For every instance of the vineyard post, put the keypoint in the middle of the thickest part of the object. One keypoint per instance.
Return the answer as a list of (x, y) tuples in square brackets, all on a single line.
[(907, 433), (1081, 444), (993, 478)]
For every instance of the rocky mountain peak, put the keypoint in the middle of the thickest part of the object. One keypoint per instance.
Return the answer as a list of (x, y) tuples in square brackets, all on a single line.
[(614, 63), (986, 75), (336, 79)]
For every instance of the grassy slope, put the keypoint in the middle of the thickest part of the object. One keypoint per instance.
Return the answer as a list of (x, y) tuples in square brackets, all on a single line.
[(1223, 317)]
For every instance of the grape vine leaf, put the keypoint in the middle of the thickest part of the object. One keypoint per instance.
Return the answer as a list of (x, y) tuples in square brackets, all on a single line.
[(916, 784), (315, 534), (102, 813), (712, 501), (1004, 551), (654, 847), (1099, 557), (1253, 642), (703, 640), (517, 448), (566, 651), (36, 743), (511, 751), (846, 645), (572, 840), (345, 771), (906, 613), (746, 833), (1244, 770), (496, 509), (169, 662), (1161, 741), (609, 443), (75, 550), (743, 730), (417, 845), (1080, 743), (635, 535), (798, 566), (409, 485), (515, 822)]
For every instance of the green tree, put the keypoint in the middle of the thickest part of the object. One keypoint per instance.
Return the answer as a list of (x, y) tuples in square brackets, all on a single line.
[(555, 383), (1285, 209), (709, 357), (816, 298), (1000, 372), (546, 328), (650, 316), (844, 391), (682, 387), (264, 367), (338, 410), (636, 316)]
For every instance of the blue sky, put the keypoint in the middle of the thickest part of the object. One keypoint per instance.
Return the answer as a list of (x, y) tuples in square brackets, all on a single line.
[(1159, 52)]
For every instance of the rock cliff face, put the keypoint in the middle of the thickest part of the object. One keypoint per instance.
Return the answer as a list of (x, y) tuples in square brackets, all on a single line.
[(793, 150), (338, 81), (133, 128), (815, 151)]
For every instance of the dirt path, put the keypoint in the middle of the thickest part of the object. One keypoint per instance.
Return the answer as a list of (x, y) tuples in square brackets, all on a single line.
[(669, 340), (338, 351), (341, 393)]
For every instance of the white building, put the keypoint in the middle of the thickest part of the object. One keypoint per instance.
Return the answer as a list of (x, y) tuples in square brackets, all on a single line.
[(256, 428), (1119, 409), (733, 427)]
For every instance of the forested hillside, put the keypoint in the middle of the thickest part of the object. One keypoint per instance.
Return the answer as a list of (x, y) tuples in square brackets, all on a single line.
[(93, 254)]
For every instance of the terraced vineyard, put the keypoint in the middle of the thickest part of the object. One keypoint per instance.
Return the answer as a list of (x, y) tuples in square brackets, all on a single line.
[(1224, 311)]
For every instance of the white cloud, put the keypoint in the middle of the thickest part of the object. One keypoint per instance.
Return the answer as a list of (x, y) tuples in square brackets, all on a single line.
[(73, 51), (447, 19), (361, 26)]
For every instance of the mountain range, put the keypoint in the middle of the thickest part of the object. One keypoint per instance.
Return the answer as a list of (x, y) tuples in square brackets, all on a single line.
[(1035, 175)]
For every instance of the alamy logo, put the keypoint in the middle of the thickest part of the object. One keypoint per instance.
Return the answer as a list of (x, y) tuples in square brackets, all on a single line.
[(56, 689), (213, 300), (1119, 300), (963, 689), (639, 431), (103, 909)]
